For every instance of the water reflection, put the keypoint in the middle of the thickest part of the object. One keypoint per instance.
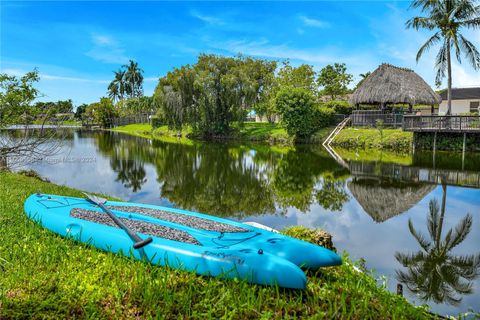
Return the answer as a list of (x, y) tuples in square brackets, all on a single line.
[(435, 272), (385, 198), (366, 208), (229, 179)]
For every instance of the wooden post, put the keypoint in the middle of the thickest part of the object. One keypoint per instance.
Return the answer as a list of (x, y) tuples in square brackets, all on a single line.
[(413, 144), (3, 163), (432, 110), (463, 149), (399, 289), (434, 147)]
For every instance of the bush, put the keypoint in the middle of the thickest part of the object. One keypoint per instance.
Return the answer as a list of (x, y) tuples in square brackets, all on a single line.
[(325, 117), (297, 109), (103, 112), (340, 107), (156, 121)]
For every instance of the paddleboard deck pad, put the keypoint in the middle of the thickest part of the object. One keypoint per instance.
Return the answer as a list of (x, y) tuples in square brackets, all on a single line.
[(185, 240)]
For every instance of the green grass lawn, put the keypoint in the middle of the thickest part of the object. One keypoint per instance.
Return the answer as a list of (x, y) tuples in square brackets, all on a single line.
[(366, 138), (44, 276), (249, 131)]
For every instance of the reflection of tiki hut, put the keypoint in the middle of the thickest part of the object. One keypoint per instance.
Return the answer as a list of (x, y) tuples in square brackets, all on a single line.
[(393, 85), (383, 200)]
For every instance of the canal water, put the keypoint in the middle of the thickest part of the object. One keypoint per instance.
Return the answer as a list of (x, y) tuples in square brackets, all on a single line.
[(376, 207)]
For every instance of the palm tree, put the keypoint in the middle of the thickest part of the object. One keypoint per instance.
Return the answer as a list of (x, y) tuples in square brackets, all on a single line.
[(134, 79), (116, 88), (363, 76), (448, 18), (434, 272)]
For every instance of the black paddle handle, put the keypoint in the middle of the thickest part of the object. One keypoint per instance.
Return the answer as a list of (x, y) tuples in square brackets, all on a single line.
[(139, 242)]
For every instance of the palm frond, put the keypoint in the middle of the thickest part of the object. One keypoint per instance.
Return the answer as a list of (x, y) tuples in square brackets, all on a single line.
[(461, 231), (458, 53), (410, 259), (427, 45), (470, 52), (424, 243), (441, 62), (473, 23), (421, 23)]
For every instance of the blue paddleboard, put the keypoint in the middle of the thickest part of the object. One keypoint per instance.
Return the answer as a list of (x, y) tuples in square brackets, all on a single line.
[(184, 240)]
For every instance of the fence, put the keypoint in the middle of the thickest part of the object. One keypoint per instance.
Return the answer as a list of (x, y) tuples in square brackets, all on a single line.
[(369, 118), (139, 118), (441, 123)]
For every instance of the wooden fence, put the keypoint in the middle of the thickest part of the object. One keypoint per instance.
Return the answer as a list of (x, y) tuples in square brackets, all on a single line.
[(139, 118), (370, 118), (461, 124)]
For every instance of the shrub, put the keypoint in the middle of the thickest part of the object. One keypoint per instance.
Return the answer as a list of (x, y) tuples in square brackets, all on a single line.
[(103, 112), (157, 120), (325, 117), (296, 107), (340, 107)]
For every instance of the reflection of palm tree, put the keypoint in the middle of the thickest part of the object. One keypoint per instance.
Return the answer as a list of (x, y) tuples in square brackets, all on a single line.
[(434, 272), (131, 173)]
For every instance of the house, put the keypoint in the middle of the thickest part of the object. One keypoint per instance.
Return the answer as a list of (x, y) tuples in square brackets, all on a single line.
[(464, 100)]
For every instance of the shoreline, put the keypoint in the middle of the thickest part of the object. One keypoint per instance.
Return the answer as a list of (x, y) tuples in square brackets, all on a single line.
[(46, 281)]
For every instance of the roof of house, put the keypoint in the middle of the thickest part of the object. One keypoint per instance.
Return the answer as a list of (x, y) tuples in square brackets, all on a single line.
[(389, 84), (462, 93)]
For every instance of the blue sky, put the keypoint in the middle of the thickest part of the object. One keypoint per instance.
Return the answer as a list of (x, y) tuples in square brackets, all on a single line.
[(76, 46)]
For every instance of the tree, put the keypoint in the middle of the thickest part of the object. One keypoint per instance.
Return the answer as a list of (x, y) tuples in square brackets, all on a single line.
[(434, 273), (116, 88), (80, 111), (363, 76), (297, 109), (16, 97), (334, 80), (214, 92), (332, 196), (103, 112), (447, 18), (133, 80), (302, 76)]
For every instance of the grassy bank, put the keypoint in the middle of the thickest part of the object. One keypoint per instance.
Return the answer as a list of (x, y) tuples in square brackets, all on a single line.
[(249, 131), (370, 138), (45, 276), (383, 156)]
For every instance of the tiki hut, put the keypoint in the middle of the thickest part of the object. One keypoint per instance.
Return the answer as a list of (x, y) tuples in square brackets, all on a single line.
[(389, 85), (383, 200)]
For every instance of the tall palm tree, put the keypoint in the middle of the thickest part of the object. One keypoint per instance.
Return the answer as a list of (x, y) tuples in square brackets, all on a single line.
[(116, 88), (134, 79), (447, 18), (434, 272)]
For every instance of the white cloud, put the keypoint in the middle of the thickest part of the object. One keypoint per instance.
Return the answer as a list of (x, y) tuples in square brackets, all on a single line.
[(205, 18), (310, 22), (106, 49), (43, 76), (463, 78), (103, 40)]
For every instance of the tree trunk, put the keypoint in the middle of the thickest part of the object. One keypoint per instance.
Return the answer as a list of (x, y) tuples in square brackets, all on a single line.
[(449, 89), (442, 208), (3, 161)]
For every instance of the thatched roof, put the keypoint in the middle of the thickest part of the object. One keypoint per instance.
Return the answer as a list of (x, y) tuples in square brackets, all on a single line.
[(391, 85), (383, 200)]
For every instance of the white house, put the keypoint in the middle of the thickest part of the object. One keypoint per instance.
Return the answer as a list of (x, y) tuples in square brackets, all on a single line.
[(464, 100)]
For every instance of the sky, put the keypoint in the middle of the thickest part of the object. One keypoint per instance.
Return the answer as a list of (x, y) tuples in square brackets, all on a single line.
[(76, 46)]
